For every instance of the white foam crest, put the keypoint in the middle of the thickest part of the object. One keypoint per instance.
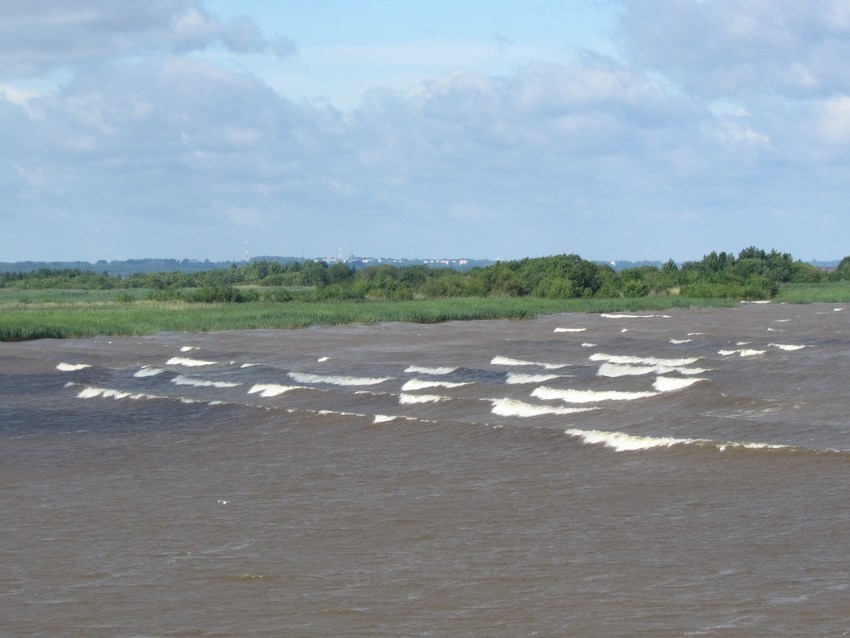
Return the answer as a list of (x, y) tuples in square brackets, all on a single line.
[(588, 345), (383, 418), (677, 342), (515, 378), (514, 408), (148, 371), (781, 320), (272, 389), (433, 371), (786, 346), (624, 370), (188, 348), (306, 377), (507, 361), (749, 352), (323, 359), (408, 399), (622, 442), (249, 365), (628, 316), (670, 384), (189, 363), (570, 329), (72, 367), (646, 361), (203, 383), (587, 396), (419, 384), (109, 393), (837, 309), (692, 334)]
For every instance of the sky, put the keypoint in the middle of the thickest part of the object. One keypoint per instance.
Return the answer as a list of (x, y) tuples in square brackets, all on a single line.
[(612, 129)]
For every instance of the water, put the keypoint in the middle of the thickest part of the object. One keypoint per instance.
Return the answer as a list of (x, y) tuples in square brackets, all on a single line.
[(679, 474)]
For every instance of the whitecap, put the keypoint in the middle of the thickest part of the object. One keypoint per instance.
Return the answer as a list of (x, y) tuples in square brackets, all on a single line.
[(588, 345), (188, 348), (109, 393), (570, 329), (506, 361), (148, 371), (785, 346), (587, 396), (323, 359), (515, 378), (433, 371), (190, 363), (514, 408), (272, 389), (622, 442), (249, 365), (670, 384), (72, 367), (306, 377), (418, 384), (407, 399), (748, 352), (677, 342), (203, 383), (648, 361), (628, 316), (383, 418)]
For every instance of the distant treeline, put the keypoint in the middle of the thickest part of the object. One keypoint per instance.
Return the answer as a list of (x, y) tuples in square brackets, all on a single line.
[(752, 274)]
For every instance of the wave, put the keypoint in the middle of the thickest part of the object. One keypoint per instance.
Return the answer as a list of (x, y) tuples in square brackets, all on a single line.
[(744, 352), (189, 363), (91, 392), (515, 378), (434, 371), (272, 389), (588, 345), (188, 348), (625, 316), (677, 342), (570, 329), (624, 370), (622, 442), (587, 396), (507, 361), (418, 384), (72, 367), (203, 383), (785, 346), (306, 377), (671, 384), (408, 399), (148, 371), (514, 408), (647, 361)]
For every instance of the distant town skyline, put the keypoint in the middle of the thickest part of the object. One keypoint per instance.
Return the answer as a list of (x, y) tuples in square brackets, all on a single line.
[(612, 129)]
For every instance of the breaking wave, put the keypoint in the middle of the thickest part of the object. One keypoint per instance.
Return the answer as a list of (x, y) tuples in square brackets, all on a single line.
[(570, 329), (625, 316), (514, 408), (515, 378), (507, 361), (272, 389), (203, 383), (72, 367), (148, 371), (622, 442), (587, 396), (189, 363), (306, 377), (408, 399), (647, 361), (671, 384), (785, 346)]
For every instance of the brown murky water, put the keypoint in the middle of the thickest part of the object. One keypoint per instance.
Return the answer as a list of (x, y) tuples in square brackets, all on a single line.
[(680, 474)]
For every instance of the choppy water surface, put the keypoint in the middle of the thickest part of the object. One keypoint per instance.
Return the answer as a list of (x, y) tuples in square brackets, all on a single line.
[(675, 474)]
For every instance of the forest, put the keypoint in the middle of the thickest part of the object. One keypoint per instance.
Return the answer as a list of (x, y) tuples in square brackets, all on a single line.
[(750, 275)]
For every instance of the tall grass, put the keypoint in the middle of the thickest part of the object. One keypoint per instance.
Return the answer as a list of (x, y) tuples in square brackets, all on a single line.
[(830, 292), (37, 320)]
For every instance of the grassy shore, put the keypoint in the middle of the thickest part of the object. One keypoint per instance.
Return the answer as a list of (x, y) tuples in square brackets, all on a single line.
[(74, 313), (89, 316)]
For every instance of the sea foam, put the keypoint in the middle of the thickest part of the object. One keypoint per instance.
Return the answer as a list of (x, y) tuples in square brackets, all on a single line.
[(587, 396), (622, 442), (148, 371), (785, 346), (306, 377), (407, 399), (272, 389), (203, 383), (647, 361), (514, 408), (515, 378), (570, 329), (189, 363), (506, 361), (72, 367), (418, 384)]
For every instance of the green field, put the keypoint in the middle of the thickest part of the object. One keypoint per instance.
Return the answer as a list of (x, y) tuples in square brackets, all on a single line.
[(37, 314)]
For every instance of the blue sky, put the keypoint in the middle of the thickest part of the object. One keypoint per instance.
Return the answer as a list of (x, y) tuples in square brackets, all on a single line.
[(611, 129)]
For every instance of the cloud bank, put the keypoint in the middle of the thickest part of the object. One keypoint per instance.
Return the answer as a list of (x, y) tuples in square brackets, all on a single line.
[(719, 125)]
